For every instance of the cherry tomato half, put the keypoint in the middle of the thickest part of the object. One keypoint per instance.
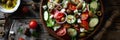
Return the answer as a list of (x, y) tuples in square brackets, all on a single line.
[(71, 6), (61, 32), (33, 24), (84, 16), (85, 24), (58, 16)]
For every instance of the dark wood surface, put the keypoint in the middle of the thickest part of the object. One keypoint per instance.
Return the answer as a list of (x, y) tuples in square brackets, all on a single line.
[(111, 30)]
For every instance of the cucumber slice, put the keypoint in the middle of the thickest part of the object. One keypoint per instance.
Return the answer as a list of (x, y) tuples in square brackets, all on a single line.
[(93, 22), (72, 32), (46, 15), (94, 5), (71, 19)]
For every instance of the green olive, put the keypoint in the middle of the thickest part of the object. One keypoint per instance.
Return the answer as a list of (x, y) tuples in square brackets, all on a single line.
[(99, 13)]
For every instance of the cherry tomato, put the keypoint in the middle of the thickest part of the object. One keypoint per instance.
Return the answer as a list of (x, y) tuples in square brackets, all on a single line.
[(71, 6), (33, 24), (58, 16), (21, 38), (61, 32), (84, 16), (85, 24), (25, 9)]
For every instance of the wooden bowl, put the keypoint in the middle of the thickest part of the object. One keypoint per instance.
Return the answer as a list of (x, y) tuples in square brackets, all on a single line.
[(51, 32)]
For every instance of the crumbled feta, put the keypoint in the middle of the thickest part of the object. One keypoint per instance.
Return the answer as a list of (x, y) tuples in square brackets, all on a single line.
[(75, 11), (79, 13), (82, 29), (45, 7), (12, 32), (79, 21), (51, 16), (62, 10), (56, 27)]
